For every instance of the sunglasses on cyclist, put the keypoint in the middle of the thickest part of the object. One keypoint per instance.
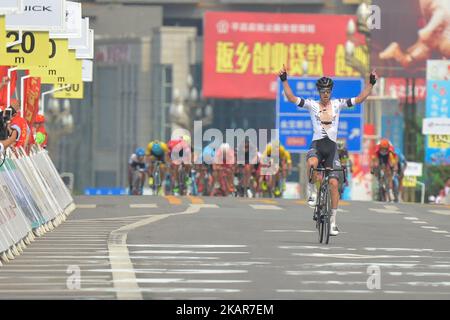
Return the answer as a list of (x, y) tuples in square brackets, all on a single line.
[(325, 91)]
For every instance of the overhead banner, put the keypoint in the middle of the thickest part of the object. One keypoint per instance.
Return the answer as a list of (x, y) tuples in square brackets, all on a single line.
[(32, 51), (9, 6), (75, 91), (423, 34), (32, 93), (39, 15), (244, 51), (73, 22)]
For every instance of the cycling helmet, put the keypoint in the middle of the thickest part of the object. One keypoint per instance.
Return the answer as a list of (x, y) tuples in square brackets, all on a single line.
[(140, 152), (208, 154), (157, 149), (384, 144), (39, 118), (340, 144), (324, 83)]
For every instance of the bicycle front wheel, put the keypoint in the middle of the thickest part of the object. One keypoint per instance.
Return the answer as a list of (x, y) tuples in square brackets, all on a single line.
[(327, 215)]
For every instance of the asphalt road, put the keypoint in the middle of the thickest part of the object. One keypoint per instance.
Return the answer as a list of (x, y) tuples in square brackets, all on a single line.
[(227, 248)]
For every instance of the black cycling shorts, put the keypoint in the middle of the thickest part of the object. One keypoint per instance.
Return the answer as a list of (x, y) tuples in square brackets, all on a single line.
[(325, 150)]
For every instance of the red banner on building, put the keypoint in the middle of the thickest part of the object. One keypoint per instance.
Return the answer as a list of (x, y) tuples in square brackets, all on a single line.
[(31, 98), (4, 89), (243, 51)]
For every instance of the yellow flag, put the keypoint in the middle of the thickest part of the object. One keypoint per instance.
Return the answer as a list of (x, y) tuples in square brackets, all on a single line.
[(75, 91)]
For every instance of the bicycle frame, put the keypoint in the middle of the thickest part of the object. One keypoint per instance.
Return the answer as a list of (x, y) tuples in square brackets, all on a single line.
[(322, 210)]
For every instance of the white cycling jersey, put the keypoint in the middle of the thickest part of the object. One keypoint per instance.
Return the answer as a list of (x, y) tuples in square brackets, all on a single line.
[(325, 123)]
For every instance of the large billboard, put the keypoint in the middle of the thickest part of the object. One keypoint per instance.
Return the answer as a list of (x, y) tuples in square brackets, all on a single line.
[(412, 31), (243, 52)]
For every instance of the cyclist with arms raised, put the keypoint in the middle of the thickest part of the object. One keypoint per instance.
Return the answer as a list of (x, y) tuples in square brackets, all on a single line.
[(325, 119)]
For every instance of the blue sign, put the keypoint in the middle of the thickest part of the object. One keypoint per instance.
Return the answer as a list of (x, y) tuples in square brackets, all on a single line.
[(437, 106), (104, 191), (295, 125), (438, 99), (392, 128)]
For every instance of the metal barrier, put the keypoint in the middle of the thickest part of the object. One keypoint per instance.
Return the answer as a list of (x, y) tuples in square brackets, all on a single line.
[(33, 200)]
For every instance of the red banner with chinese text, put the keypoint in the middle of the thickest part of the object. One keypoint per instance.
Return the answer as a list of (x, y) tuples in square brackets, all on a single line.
[(243, 52), (4, 89), (31, 98)]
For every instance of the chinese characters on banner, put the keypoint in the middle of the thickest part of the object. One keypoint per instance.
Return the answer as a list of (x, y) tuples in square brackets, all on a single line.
[(32, 93), (243, 52)]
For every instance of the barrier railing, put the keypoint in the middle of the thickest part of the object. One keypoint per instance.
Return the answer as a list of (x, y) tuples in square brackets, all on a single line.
[(33, 200)]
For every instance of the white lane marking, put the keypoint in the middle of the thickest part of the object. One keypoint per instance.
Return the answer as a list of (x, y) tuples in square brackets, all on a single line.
[(166, 290), (324, 291), (265, 207), (420, 222), (309, 247), (83, 278), (334, 282), (207, 206), (321, 272), (399, 249), (174, 258), (179, 280), (189, 251), (342, 210), (389, 207), (442, 212), (86, 206), (448, 236), (410, 218), (385, 210), (352, 256), (426, 284), (299, 231), (93, 240), (143, 205), (117, 247), (421, 274), (190, 246), (177, 271), (439, 231), (428, 227), (203, 263)]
